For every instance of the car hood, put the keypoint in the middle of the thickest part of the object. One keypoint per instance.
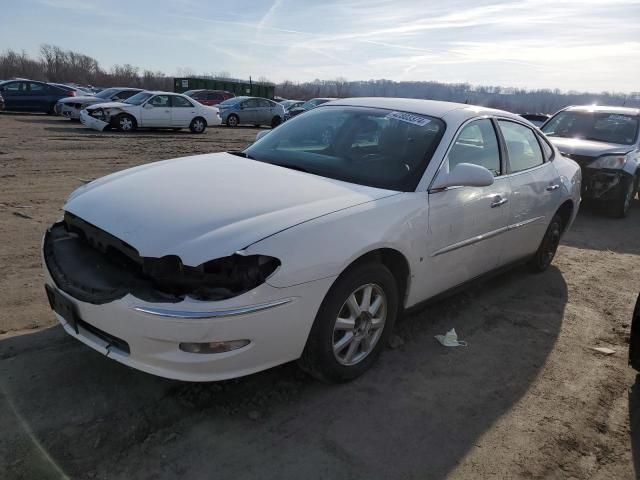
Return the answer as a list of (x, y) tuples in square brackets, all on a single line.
[(111, 105), (590, 148), (82, 99), (209, 206)]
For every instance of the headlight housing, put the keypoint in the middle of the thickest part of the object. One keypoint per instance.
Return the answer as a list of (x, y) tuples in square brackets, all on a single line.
[(214, 280), (609, 161)]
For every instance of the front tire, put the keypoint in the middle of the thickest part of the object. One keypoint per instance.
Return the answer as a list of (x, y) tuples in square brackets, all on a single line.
[(232, 121), (352, 325), (548, 247), (198, 125), (621, 204), (275, 121), (125, 123)]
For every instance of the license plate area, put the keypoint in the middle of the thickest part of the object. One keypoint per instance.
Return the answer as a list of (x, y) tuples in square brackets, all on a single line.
[(63, 307)]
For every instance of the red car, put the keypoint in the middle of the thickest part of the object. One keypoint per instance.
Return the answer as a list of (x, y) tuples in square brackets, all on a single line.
[(209, 97)]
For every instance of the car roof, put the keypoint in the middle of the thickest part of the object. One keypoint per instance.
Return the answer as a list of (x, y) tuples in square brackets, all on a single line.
[(603, 109), (433, 108)]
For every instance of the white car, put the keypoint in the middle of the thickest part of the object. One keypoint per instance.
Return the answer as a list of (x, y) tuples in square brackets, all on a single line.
[(151, 110), (304, 246)]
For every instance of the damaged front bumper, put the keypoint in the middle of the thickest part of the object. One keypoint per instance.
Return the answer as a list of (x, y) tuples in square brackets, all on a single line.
[(116, 313), (602, 184), (92, 122)]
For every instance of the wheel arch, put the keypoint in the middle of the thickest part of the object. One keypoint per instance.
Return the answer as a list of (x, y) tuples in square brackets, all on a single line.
[(201, 117), (395, 261), (566, 213)]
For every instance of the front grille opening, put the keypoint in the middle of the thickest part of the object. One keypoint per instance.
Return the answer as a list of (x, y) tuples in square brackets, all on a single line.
[(94, 266)]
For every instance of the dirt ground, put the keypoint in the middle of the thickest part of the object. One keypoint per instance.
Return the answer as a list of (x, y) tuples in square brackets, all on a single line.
[(528, 398)]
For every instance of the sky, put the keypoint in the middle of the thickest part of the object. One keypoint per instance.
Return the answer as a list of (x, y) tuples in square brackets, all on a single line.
[(583, 45)]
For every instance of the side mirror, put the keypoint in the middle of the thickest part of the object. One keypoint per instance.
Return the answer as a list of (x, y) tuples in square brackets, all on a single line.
[(464, 175), (148, 105), (261, 134), (115, 99)]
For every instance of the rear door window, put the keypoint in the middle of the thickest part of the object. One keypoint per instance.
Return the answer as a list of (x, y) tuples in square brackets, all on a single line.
[(180, 102), (37, 88)]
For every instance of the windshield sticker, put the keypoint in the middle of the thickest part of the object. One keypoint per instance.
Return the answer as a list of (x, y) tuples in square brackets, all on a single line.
[(624, 118), (408, 118)]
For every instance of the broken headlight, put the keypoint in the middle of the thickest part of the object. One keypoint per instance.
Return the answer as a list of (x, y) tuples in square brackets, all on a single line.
[(214, 280), (609, 161)]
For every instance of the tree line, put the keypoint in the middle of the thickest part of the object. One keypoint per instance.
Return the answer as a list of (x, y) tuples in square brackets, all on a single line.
[(66, 66), (58, 65)]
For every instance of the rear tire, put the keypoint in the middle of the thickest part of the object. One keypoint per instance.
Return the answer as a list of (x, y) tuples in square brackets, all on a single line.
[(335, 350), (275, 121), (548, 247), (198, 125), (621, 204)]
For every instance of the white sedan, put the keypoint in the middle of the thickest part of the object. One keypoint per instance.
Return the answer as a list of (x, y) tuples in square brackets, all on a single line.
[(305, 246), (151, 110)]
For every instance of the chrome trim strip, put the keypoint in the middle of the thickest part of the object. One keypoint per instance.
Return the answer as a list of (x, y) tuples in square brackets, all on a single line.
[(231, 312), (469, 241), (484, 236), (513, 226)]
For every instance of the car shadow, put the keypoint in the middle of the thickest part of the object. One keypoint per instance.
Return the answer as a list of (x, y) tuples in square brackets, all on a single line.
[(592, 220), (67, 410)]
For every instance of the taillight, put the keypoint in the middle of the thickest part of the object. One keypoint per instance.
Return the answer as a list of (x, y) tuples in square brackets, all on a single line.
[(71, 93)]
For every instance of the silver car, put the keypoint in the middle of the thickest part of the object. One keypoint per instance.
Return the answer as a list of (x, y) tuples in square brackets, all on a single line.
[(605, 141), (251, 110), (70, 107)]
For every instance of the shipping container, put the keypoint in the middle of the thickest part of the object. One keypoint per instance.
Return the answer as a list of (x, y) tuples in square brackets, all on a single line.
[(237, 87)]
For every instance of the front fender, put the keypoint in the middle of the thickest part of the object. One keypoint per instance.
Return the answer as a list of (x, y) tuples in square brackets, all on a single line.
[(324, 247)]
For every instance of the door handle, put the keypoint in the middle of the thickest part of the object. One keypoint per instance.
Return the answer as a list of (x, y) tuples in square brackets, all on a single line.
[(553, 187), (498, 201)]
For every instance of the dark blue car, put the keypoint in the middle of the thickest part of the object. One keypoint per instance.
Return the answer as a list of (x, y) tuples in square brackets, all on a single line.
[(31, 96)]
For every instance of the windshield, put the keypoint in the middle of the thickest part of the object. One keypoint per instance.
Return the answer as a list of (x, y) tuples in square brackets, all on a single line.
[(107, 93), (367, 146), (310, 104), (597, 126), (138, 98)]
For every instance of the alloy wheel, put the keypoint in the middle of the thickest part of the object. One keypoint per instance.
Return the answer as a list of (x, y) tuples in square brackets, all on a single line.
[(359, 324), (125, 124), (198, 125)]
